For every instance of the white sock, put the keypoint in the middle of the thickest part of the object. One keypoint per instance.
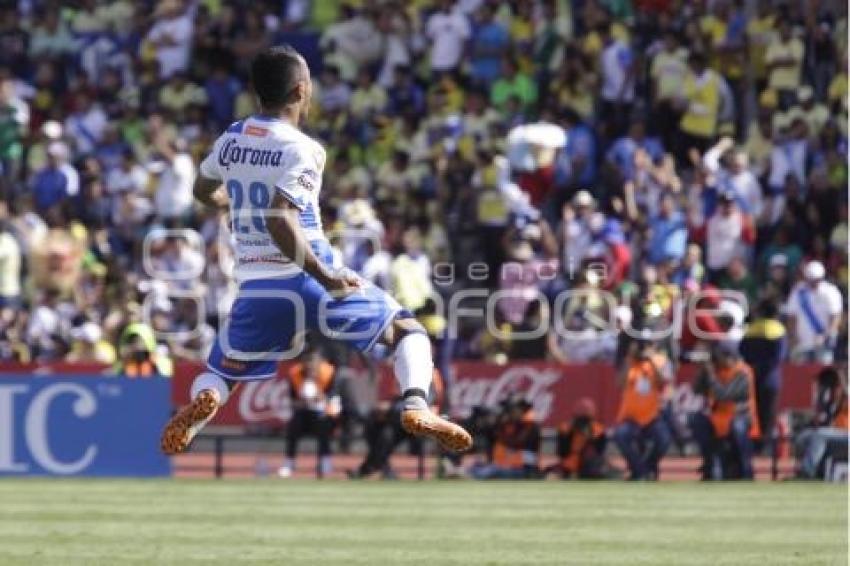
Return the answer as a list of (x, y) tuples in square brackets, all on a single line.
[(326, 465), (414, 368), (209, 380)]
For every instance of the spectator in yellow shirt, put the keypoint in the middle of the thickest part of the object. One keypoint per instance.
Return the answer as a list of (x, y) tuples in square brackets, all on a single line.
[(837, 93), (814, 114), (760, 32), (522, 31), (784, 59), (88, 345), (701, 90), (574, 84), (724, 31), (368, 97), (178, 94), (669, 69), (410, 273)]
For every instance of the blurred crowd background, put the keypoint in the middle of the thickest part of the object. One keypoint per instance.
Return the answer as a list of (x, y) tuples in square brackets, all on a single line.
[(644, 150)]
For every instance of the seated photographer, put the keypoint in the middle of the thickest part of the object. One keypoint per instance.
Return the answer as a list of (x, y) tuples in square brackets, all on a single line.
[(481, 424), (725, 432), (140, 356), (315, 408), (642, 434), (581, 444), (383, 433), (516, 445), (829, 427)]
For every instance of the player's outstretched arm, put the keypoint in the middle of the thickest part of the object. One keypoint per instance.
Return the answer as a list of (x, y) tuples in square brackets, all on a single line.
[(210, 192), (284, 226)]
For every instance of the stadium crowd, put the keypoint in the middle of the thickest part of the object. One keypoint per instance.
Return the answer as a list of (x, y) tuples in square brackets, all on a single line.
[(645, 154), (686, 146)]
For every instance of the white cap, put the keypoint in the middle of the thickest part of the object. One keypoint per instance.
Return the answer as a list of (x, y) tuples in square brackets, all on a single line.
[(814, 271), (540, 133), (52, 129), (583, 198)]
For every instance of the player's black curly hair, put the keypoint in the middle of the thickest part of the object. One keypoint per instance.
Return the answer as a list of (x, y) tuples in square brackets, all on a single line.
[(274, 73)]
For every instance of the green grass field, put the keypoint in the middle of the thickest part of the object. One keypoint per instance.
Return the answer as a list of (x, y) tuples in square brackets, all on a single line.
[(113, 522)]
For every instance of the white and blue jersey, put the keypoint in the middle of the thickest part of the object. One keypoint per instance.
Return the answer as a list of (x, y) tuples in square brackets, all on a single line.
[(256, 158)]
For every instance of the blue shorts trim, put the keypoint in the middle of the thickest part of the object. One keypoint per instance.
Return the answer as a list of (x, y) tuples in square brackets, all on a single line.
[(387, 321)]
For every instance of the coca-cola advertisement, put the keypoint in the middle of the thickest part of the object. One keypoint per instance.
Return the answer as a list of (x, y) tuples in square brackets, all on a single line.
[(551, 388), (262, 401)]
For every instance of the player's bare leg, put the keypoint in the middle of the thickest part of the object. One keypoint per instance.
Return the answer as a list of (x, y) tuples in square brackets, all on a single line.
[(414, 371), (209, 392)]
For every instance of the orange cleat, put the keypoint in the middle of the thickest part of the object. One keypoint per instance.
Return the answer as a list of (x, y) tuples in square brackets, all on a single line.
[(422, 422), (189, 420)]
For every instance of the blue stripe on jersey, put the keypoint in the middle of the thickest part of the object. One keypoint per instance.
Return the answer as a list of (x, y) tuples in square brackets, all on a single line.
[(308, 217), (235, 127)]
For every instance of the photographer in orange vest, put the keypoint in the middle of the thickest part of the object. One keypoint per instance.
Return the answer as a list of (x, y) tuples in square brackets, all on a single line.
[(316, 406), (725, 431), (581, 444), (642, 434), (516, 445)]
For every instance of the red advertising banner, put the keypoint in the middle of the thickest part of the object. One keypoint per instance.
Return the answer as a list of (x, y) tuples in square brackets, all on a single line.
[(552, 388)]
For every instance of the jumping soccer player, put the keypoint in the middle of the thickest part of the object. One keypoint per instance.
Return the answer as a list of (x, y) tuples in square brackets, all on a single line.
[(272, 174)]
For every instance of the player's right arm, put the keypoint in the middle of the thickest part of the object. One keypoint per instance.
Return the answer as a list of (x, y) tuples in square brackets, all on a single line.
[(210, 192), (208, 188), (284, 225)]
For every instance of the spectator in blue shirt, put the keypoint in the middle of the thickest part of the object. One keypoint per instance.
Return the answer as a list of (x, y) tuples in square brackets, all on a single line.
[(668, 233), (576, 165), (405, 96), (57, 181), (622, 153), (110, 153), (489, 44), (222, 90)]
